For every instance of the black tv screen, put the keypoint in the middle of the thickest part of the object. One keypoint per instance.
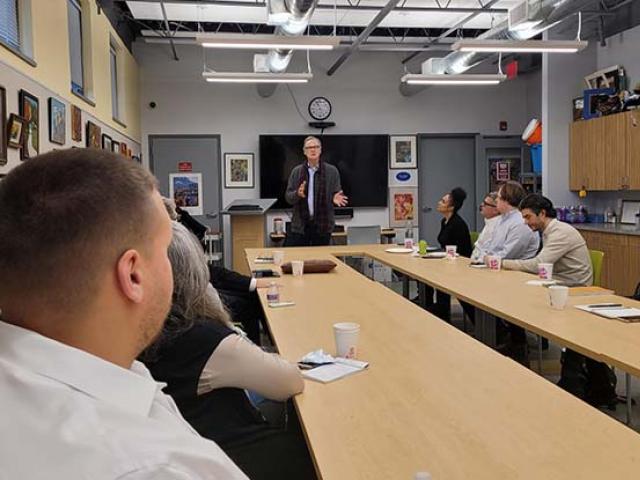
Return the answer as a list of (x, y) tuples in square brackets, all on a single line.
[(362, 161)]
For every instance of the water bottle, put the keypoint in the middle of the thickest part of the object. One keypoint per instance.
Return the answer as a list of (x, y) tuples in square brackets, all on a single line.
[(273, 294), (408, 235)]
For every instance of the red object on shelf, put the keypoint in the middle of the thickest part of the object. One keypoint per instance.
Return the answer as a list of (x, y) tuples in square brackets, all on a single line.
[(512, 69)]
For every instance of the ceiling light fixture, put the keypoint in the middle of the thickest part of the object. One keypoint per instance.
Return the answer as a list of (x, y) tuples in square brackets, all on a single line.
[(267, 42), (257, 77), (526, 46), (458, 79)]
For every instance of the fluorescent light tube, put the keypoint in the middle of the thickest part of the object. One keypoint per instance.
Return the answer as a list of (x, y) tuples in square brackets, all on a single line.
[(459, 79), (526, 46), (266, 42), (251, 77)]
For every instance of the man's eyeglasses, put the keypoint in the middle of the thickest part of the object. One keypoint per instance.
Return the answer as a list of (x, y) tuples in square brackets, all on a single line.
[(485, 204), (312, 147)]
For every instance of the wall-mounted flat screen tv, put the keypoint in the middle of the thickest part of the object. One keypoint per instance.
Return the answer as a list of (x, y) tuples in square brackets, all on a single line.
[(362, 161)]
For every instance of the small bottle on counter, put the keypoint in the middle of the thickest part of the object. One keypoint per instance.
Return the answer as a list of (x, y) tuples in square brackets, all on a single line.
[(273, 294)]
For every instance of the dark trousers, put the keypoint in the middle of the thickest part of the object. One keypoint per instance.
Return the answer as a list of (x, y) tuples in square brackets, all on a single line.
[(442, 306), (244, 308), (310, 238)]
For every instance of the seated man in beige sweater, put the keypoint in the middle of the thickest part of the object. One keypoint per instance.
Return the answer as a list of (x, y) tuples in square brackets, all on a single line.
[(563, 246)]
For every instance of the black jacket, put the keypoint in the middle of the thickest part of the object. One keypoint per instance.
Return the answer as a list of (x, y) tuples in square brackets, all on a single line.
[(455, 232)]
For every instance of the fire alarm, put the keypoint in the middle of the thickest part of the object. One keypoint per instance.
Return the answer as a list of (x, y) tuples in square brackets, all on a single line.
[(503, 126)]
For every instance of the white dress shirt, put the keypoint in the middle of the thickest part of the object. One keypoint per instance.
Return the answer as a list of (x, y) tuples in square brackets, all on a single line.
[(485, 237), (311, 190), (68, 414)]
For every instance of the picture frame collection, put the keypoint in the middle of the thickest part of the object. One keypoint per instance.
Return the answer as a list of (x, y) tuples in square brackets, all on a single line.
[(21, 130)]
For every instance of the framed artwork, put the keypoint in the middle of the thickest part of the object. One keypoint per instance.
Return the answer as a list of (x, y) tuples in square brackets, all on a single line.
[(238, 170), (3, 126), (403, 206), (402, 152), (123, 149), (115, 146), (93, 135), (610, 77), (15, 131), (186, 191), (106, 142), (30, 112), (57, 121), (137, 159), (578, 107), (76, 124)]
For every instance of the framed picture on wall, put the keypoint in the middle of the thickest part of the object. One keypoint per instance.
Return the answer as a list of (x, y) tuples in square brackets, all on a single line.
[(94, 133), (186, 191), (238, 170), (30, 112), (403, 206), (115, 146), (106, 142), (3, 126), (57, 121), (76, 124), (15, 131), (123, 149), (402, 151)]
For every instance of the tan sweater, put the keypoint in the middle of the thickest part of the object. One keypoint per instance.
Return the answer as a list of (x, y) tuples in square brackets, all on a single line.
[(563, 246)]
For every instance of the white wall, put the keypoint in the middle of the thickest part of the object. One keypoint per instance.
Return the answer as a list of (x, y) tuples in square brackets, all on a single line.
[(364, 94), (13, 81)]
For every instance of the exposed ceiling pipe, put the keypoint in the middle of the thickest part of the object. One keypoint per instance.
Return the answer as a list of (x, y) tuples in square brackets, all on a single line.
[(298, 15), (548, 13)]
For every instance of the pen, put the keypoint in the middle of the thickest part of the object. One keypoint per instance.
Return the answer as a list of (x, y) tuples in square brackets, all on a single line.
[(605, 305)]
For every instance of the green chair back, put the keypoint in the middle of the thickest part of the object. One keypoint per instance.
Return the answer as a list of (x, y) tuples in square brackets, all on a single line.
[(474, 237), (596, 263)]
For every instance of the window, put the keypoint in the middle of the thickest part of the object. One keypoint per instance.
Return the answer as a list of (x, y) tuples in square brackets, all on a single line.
[(9, 23), (113, 57), (74, 12)]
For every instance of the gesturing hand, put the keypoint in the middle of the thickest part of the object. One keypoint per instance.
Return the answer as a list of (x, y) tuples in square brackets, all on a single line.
[(340, 199), (301, 189)]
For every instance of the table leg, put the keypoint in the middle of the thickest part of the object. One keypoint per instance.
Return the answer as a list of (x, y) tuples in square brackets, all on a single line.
[(485, 328), (422, 294), (627, 381), (540, 354), (405, 286)]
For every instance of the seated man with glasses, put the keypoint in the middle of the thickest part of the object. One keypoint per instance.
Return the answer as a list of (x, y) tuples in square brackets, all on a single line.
[(490, 213), (313, 190)]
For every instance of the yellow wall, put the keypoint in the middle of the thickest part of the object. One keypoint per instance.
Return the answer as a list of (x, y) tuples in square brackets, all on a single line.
[(51, 53)]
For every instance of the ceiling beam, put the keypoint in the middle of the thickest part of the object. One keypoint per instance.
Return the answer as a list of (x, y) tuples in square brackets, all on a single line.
[(363, 36), (166, 24), (450, 31)]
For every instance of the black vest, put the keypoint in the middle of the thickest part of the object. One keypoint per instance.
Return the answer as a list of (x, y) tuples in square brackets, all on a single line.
[(224, 415)]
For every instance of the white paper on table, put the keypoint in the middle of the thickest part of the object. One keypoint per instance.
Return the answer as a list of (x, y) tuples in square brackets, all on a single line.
[(618, 312), (334, 371)]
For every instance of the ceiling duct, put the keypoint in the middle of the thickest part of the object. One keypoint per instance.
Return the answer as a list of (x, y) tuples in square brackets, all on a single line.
[(524, 22), (291, 18)]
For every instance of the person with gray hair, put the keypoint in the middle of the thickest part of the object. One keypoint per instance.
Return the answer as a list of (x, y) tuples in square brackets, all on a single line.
[(208, 367), (491, 215), (313, 189)]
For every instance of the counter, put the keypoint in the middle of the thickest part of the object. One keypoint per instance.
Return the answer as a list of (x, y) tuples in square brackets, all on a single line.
[(621, 229)]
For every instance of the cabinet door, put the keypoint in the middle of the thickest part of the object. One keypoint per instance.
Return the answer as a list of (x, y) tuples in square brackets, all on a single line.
[(615, 268), (578, 136), (614, 152), (633, 149), (633, 266)]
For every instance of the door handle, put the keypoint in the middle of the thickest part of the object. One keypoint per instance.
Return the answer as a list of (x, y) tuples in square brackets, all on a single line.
[(427, 209), (212, 215)]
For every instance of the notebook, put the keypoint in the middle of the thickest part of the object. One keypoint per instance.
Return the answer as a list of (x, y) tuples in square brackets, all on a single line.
[(334, 371), (622, 313)]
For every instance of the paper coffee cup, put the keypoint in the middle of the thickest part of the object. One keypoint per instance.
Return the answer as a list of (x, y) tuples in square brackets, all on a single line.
[(297, 268), (494, 263), (278, 257), (451, 251), (545, 271), (346, 334), (558, 296)]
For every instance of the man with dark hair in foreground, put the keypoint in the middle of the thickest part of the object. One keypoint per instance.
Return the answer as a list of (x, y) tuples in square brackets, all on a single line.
[(85, 286)]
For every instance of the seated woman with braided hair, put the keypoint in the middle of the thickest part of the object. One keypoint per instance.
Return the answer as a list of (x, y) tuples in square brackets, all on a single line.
[(209, 367)]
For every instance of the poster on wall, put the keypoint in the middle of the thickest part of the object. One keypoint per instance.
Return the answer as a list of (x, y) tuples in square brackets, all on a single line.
[(57, 121), (503, 171), (238, 169), (30, 112), (94, 134), (403, 206), (402, 152), (76, 124), (3, 126), (186, 191)]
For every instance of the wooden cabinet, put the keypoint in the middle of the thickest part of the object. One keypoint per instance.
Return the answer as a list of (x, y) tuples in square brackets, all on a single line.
[(599, 153), (633, 148), (621, 264)]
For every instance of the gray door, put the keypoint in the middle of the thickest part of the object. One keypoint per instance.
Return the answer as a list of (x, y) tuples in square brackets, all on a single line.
[(445, 162), (203, 151)]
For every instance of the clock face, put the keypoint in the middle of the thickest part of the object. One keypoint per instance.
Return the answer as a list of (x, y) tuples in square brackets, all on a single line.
[(319, 108)]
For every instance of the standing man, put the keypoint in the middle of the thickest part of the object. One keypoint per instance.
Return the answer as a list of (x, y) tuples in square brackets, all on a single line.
[(313, 190), (85, 289), (563, 246)]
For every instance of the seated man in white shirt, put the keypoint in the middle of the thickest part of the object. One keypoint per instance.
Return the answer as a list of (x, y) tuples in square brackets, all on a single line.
[(86, 286), (491, 215)]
